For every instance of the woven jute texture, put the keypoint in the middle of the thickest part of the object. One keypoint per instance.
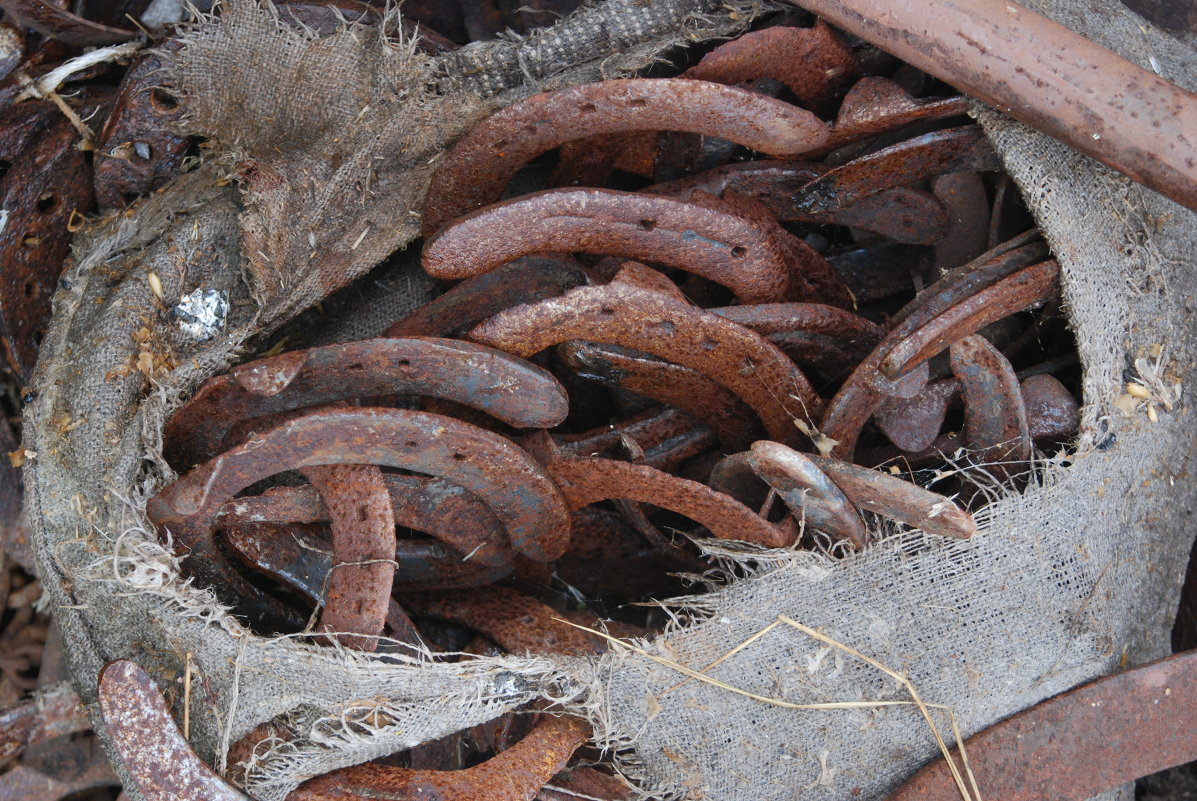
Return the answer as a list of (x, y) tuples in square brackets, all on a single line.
[(323, 148)]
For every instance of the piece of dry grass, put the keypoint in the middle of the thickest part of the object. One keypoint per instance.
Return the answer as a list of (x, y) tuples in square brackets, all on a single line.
[(969, 791)]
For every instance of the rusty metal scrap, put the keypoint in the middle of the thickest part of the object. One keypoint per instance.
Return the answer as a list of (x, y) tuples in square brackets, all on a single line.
[(58, 23), (479, 166), (136, 151), (680, 387), (718, 246), (463, 306), (644, 342), (490, 467), (1145, 718), (363, 535), (812, 497), (516, 622), (756, 371), (1045, 75), (952, 150), (516, 392), (52, 712), (139, 723), (996, 428), (50, 181), (589, 480), (512, 775)]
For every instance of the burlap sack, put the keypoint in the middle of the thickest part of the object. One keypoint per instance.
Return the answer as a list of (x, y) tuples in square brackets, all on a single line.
[(323, 148)]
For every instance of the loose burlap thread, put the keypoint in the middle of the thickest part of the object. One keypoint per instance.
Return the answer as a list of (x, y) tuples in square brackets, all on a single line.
[(1067, 580)]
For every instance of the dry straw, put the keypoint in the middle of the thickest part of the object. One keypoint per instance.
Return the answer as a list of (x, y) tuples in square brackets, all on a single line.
[(968, 792)]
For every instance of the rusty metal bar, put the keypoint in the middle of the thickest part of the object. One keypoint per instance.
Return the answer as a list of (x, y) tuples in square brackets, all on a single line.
[(1045, 75), (1074, 746)]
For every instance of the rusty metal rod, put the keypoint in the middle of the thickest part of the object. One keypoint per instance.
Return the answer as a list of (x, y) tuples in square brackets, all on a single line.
[(1045, 75)]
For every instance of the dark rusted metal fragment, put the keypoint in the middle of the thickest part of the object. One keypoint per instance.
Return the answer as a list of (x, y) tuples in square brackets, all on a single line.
[(868, 386), (1145, 717), (516, 392), (718, 246), (898, 499), (589, 480), (686, 389), (363, 535), (476, 550), (517, 622), (490, 467), (58, 23), (812, 497), (1045, 75), (967, 204), (525, 280), (53, 711), (1012, 293), (1052, 411), (666, 437), (618, 314), (50, 180), (913, 423), (479, 166), (995, 417), (137, 152), (812, 62), (952, 150), (900, 214), (139, 725), (875, 106), (512, 775)]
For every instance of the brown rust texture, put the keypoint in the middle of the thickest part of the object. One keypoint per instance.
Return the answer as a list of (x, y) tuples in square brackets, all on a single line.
[(363, 538), (464, 305), (477, 169), (434, 506), (136, 151), (671, 384), (139, 724), (716, 245), (868, 385), (952, 150), (49, 181), (739, 359), (812, 497), (589, 480), (1013, 293), (813, 63), (876, 106), (995, 416), (1044, 75), (490, 467), (1145, 718), (53, 712), (518, 623), (666, 437), (898, 499), (514, 391), (58, 23), (512, 775)]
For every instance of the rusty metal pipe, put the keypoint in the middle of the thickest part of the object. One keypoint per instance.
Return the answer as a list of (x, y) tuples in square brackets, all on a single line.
[(1045, 75)]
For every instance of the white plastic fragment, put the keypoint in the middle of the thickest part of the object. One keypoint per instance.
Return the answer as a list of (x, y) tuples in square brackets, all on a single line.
[(201, 314)]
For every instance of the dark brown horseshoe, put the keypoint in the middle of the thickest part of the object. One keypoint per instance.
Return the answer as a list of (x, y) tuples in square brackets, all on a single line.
[(589, 480), (488, 466), (516, 392), (712, 243), (617, 314), (146, 739), (514, 136)]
